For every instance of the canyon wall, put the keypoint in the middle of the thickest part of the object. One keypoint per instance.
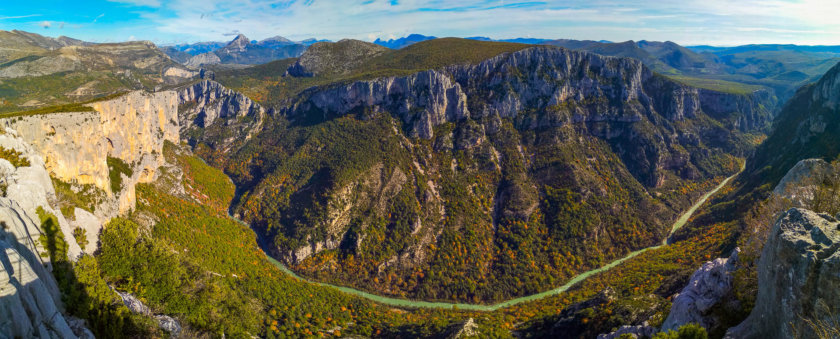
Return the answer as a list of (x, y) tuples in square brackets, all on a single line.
[(76, 145)]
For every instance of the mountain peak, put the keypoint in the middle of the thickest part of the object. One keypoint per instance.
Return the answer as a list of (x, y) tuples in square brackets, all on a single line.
[(277, 38), (240, 37), (240, 42)]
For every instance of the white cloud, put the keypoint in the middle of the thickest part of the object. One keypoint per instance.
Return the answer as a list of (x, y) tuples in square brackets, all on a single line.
[(686, 22), (18, 16), (45, 24)]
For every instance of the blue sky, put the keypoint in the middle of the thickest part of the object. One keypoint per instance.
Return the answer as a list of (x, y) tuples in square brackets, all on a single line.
[(717, 22)]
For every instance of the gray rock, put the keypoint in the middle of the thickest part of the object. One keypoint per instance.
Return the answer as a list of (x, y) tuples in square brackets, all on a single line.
[(208, 58), (169, 324), (30, 303), (206, 101), (133, 304), (165, 322), (466, 329), (639, 331), (706, 288), (798, 276), (800, 181)]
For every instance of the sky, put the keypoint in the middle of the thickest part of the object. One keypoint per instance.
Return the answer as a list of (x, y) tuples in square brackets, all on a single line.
[(687, 22)]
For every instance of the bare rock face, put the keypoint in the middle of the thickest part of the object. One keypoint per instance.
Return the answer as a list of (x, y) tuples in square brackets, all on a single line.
[(798, 275), (76, 146), (208, 58), (799, 182), (30, 302), (706, 288), (543, 87), (30, 188), (135, 305), (204, 102), (639, 331)]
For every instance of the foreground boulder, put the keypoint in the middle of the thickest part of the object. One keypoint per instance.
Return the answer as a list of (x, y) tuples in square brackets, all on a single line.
[(708, 286), (798, 275)]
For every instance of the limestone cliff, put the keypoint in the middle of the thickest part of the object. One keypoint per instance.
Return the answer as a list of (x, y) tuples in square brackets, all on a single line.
[(641, 114), (573, 87), (76, 145), (204, 102), (30, 302), (798, 275)]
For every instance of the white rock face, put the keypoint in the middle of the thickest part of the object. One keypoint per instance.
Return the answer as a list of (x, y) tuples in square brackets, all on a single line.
[(92, 226), (76, 146), (707, 286), (30, 303), (30, 187)]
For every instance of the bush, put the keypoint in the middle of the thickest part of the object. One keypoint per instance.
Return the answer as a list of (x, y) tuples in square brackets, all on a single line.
[(116, 167), (14, 157)]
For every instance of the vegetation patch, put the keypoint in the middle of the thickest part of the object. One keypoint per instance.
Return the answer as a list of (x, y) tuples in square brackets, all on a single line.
[(72, 195), (16, 158), (81, 237), (117, 167)]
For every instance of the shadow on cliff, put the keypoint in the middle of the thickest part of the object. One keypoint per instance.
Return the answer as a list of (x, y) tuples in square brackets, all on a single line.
[(105, 318)]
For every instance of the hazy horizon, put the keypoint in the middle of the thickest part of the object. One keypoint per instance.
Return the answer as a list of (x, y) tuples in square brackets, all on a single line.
[(712, 22)]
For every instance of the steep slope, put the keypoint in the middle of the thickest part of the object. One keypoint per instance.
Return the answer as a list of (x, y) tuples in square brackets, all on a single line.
[(804, 129), (782, 68), (30, 300), (798, 272), (477, 181)]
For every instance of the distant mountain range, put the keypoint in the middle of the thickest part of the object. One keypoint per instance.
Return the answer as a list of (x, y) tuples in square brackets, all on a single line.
[(240, 50), (415, 38)]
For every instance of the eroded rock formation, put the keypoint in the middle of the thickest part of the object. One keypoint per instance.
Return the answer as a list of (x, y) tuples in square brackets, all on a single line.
[(798, 275), (707, 287)]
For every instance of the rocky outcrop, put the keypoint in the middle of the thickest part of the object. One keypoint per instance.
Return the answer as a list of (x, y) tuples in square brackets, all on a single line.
[(30, 187), (707, 287), (798, 275), (202, 103), (75, 148), (467, 329), (617, 99), (571, 87), (799, 182), (639, 331), (208, 58), (30, 302), (135, 305)]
